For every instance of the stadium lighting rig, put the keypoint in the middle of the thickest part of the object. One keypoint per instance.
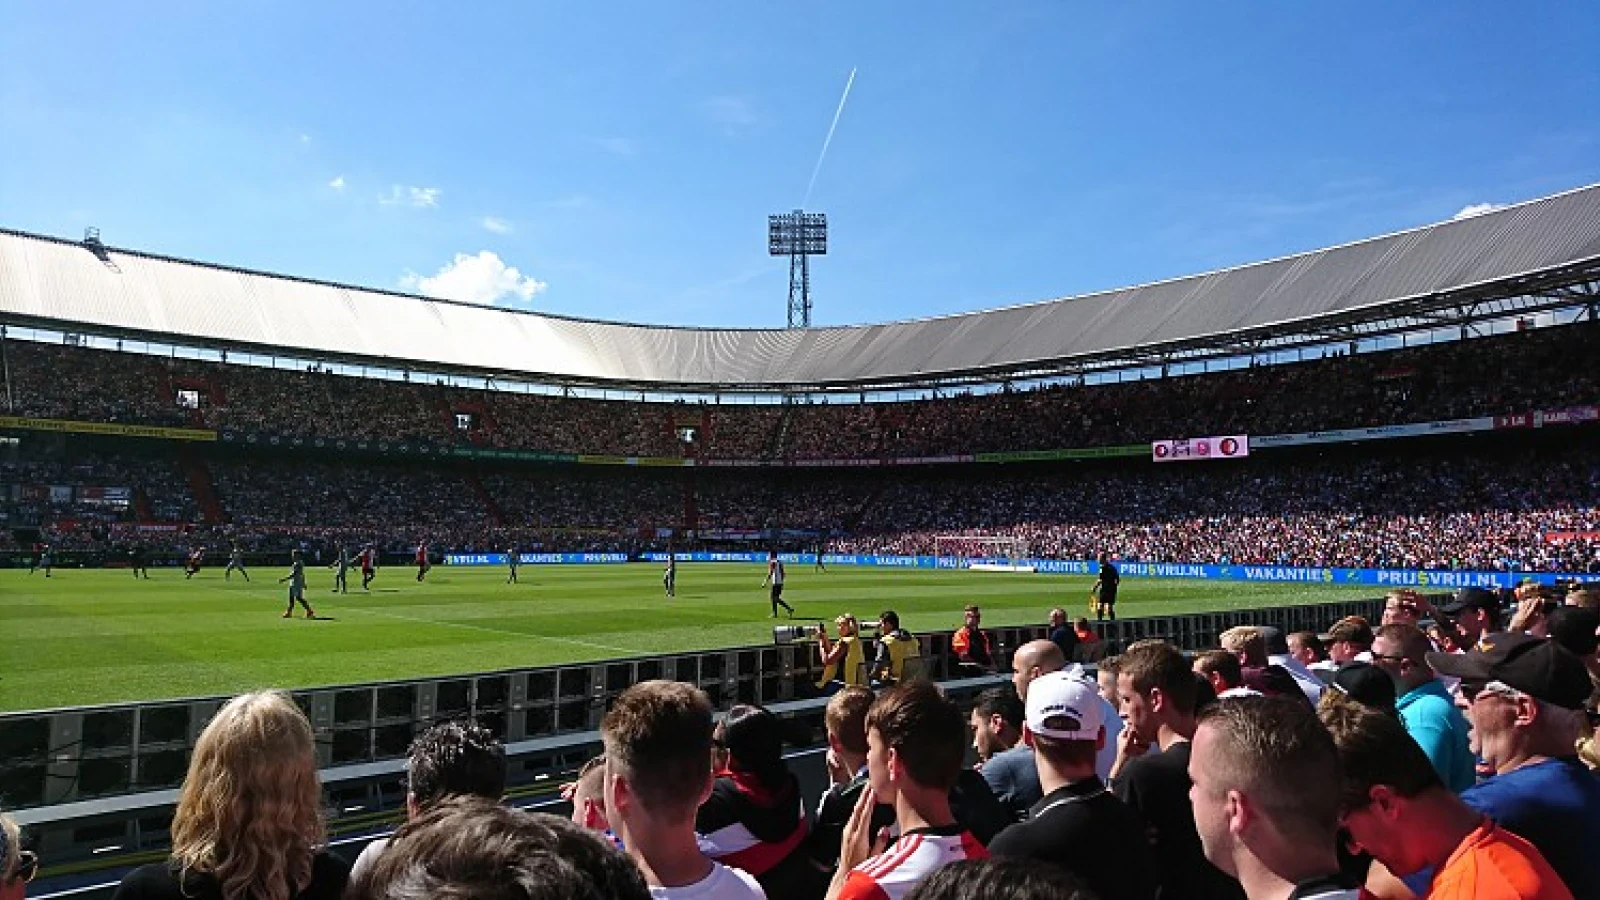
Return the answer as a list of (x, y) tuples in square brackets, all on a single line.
[(798, 235)]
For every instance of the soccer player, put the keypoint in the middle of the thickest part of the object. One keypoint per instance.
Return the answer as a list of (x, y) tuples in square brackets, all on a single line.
[(46, 560), (513, 559), (297, 586), (775, 580), (369, 565), (38, 554), (341, 569), (137, 560), (821, 546), (422, 560), (235, 561), (1105, 590), (192, 567), (669, 576)]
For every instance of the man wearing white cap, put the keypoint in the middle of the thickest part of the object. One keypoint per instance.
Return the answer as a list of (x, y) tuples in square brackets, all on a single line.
[(1079, 824)]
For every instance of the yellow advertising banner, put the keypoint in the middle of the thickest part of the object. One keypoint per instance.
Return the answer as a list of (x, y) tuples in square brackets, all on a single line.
[(114, 428)]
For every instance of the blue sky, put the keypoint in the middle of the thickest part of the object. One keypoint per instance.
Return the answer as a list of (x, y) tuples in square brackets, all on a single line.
[(622, 157)]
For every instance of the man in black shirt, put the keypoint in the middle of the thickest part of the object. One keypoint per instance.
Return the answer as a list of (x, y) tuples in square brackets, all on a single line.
[(1062, 635), (1078, 825), (1156, 690), (1105, 590)]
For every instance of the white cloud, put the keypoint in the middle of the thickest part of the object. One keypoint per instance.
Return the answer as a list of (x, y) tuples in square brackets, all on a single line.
[(337, 183), (496, 225), (1477, 209), (482, 279), (617, 146), (734, 114), (418, 197)]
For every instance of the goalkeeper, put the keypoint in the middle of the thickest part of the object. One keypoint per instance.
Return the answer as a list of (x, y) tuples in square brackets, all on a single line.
[(1105, 590)]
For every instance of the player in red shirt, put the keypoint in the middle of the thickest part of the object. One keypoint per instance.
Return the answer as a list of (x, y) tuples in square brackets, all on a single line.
[(369, 565), (422, 560)]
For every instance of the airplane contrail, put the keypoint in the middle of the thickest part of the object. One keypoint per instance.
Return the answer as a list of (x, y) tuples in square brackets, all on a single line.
[(829, 139)]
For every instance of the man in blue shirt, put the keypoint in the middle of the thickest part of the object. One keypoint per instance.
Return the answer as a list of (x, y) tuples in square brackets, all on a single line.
[(1525, 697), (1429, 713)]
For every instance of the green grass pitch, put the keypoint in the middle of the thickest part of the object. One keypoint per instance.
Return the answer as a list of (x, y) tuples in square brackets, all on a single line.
[(91, 637)]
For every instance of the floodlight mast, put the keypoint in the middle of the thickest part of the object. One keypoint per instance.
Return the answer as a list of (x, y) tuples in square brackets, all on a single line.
[(798, 235)]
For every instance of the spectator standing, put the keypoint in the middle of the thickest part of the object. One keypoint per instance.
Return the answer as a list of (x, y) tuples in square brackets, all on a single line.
[(1266, 798), (1078, 823), (1006, 763), (17, 866), (447, 760), (1349, 640), (1157, 692), (1396, 807), (845, 721), (1524, 697), (249, 817), (1278, 655), (915, 739), (470, 847), (657, 737), (1062, 635), (1426, 708), (754, 818)]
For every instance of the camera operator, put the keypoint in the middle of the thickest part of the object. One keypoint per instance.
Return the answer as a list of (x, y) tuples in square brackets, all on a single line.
[(843, 659)]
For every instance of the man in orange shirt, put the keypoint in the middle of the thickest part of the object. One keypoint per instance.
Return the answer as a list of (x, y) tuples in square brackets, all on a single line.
[(970, 644), (1396, 808)]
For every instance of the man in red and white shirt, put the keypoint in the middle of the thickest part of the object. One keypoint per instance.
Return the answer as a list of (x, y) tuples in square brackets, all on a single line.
[(916, 741)]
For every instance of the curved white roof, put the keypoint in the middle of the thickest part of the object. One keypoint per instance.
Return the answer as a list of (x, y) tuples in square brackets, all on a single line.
[(63, 285)]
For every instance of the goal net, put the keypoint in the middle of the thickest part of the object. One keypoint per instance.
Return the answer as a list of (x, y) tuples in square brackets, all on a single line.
[(984, 553)]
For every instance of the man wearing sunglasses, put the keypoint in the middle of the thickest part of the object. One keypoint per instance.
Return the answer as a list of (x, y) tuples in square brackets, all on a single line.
[(1524, 697)]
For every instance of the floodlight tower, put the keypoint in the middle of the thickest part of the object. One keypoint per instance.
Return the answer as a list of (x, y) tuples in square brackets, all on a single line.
[(798, 235)]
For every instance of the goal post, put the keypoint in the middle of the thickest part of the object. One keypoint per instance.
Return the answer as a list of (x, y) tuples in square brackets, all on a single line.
[(984, 553)]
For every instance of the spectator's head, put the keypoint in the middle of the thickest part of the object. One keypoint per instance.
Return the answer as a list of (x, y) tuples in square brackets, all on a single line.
[(1363, 683), (888, 622), (1220, 669), (657, 737), (915, 739), (1402, 652), (1106, 676), (847, 625), (1402, 607), (1523, 695), (1066, 723), (1266, 784), (1273, 639), (1586, 596), (996, 721), (1349, 638), (1475, 611), (1155, 688), (1306, 647), (589, 796), (1000, 878), (845, 720), (250, 810), (1385, 776), (753, 739), (454, 758), (971, 616), (17, 866), (1058, 618), (1247, 643), (1033, 659), (468, 848), (1578, 630)]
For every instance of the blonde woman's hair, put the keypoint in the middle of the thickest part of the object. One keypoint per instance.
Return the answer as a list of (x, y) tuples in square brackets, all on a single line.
[(250, 812), (10, 847)]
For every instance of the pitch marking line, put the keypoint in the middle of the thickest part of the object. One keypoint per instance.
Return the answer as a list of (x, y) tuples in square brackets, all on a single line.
[(521, 634)]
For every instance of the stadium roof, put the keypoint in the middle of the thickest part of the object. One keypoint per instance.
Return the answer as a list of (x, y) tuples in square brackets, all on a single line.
[(1439, 273)]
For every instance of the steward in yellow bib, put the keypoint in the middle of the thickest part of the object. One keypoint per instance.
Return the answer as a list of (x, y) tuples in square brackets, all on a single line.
[(895, 647), (841, 659)]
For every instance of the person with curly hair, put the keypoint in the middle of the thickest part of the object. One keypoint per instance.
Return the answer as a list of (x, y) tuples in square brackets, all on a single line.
[(249, 821)]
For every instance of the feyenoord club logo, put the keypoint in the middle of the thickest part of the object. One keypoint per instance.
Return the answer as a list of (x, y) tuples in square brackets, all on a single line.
[(1228, 447)]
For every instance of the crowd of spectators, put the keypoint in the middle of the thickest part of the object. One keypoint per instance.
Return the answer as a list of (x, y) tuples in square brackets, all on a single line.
[(1414, 764), (1506, 374)]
